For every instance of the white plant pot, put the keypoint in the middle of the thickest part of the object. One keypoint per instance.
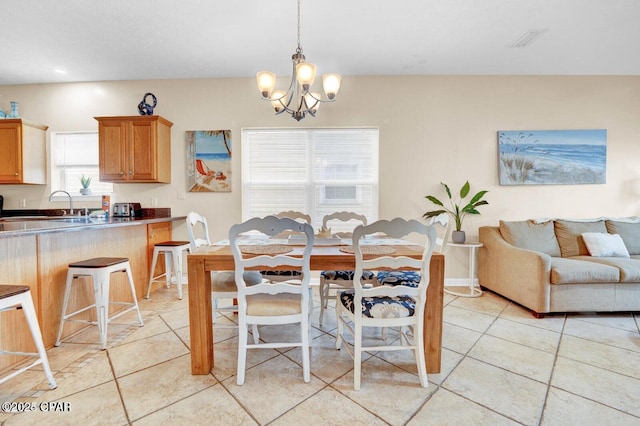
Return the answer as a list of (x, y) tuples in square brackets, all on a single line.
[(85, 191)]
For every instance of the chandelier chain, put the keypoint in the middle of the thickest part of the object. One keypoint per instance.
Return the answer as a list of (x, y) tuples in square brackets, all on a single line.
[(299, 49)]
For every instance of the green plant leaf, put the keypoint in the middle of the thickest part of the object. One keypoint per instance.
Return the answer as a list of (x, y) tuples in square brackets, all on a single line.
[(434, 200), (464, 191)]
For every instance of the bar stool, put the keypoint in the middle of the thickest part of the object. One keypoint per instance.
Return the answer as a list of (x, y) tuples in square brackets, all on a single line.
[(16, 297), (172, 251), (100, 270)]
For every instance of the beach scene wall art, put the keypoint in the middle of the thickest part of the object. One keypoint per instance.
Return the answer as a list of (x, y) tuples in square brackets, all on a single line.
[(552, 157), (208, 160)]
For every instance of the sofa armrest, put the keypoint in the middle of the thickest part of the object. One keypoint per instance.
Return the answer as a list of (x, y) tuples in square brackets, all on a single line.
[(518, 274)]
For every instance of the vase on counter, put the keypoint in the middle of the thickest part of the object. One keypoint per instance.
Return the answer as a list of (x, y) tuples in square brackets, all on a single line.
[(14, 110), (2, 115)]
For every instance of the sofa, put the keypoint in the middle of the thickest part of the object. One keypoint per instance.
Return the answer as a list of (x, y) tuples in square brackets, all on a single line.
[(563, 265)]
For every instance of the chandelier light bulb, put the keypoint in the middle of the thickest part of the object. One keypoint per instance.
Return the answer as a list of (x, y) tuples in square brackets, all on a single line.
[(306, 74), (276, 99), (266, 83), (331, 84)]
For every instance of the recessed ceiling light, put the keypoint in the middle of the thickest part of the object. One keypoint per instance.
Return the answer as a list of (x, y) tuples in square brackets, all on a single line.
[(60, 71), (527, 38)]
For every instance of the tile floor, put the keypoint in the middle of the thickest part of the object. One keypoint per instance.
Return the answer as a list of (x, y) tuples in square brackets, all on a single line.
[(501, 366)]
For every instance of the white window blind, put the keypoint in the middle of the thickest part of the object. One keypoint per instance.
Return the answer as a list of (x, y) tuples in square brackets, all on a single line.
[(76, 154), (316, 171)]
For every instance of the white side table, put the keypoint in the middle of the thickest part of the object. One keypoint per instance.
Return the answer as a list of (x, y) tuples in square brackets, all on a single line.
[(473, 290)]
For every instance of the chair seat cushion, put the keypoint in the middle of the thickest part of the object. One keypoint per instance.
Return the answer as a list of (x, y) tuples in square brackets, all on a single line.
[(381, 307), (281, 273), (272, 305), (346, 275), (393, 278), (226, 281)]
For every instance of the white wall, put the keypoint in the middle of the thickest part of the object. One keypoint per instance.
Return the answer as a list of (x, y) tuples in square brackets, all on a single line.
[(432, 129)]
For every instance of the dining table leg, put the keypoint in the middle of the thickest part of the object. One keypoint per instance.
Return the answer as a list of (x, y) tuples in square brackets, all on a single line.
[(200, 317), (433, 316)]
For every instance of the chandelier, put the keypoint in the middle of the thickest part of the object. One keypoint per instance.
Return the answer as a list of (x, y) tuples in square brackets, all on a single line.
[(298, 100)]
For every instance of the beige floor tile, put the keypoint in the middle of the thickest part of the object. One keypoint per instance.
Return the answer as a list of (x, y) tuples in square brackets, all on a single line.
[(176, 318), (152, 326), (522, 315), (211, 406), (447, 408), (257, 393), (90, 335), (449, 361), (514, 396), (603, 334), (597, 384), (378, 382), (156, 387), (608, 357), (621, 320), (97, 405), (225, 358), (60, 358), (514, 357), (488, 303), (458, 339), (327, 363), (564, 408), (524, 334), (467, 318), (328, 408), (150, 351), (14, 388), (92, 372)]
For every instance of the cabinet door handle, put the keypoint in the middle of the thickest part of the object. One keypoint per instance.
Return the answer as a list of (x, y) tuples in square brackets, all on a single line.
[(15, 174), (121, 173), (130, 172)]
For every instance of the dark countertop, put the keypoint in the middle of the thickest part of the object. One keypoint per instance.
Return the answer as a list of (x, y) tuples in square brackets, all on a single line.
[(14, 226)]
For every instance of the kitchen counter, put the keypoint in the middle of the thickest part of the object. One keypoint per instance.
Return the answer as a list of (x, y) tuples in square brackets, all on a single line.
[(36, 251), (12, 226)]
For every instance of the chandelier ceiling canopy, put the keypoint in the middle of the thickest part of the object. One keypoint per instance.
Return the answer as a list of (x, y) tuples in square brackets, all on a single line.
[(298, 100)]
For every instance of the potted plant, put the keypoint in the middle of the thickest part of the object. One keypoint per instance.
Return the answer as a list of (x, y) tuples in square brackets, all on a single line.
[(85, 181), (458, 209)]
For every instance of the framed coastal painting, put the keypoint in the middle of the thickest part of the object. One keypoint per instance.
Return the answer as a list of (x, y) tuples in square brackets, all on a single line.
[(208, 160), (552, 157)]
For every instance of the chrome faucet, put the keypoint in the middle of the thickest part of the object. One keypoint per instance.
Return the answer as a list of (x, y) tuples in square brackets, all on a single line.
[(70, 200)]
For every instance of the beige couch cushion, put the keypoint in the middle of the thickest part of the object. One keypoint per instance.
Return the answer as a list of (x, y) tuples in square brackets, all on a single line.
[(569, 235), (529, 235), (577, 271), (629, 268), (630, 233)]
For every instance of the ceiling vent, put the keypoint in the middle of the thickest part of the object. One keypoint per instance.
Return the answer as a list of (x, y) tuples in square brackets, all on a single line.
[(527, 38)]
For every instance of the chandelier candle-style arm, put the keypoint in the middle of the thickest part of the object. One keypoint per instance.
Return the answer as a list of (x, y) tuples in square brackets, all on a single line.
[(298, 100)]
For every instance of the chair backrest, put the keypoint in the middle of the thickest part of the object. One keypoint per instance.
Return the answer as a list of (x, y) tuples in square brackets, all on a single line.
[(443, 224), (198, 231), (272, 225), (396, 228), (298, 216), (348, 221)]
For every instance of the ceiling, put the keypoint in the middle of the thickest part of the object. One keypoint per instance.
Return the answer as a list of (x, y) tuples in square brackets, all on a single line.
[(98, 40)]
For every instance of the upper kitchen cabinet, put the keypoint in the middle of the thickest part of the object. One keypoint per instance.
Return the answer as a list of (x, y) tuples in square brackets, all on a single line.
[(23, 156), (135, 149)]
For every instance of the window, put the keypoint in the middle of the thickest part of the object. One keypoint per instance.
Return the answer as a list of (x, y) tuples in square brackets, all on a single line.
[(316, 171), (76, 154)]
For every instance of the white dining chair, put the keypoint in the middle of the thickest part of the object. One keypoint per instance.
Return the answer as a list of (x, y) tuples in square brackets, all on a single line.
[(275, 276), (268, 303), (399, 305), (340, 279), (223, 283)]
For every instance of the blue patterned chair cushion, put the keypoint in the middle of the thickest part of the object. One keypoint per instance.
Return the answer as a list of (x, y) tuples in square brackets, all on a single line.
[(393, 278), (381, 307), (280, 273), (346, 275)]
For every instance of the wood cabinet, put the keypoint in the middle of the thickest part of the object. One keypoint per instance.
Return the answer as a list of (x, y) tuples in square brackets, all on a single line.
[(134, 149), (22, 152)]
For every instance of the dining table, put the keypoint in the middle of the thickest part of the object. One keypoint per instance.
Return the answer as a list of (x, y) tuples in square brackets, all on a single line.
[(218, 257)]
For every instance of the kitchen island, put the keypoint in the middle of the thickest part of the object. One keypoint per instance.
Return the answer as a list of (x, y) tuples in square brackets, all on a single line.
[(36, 252)]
